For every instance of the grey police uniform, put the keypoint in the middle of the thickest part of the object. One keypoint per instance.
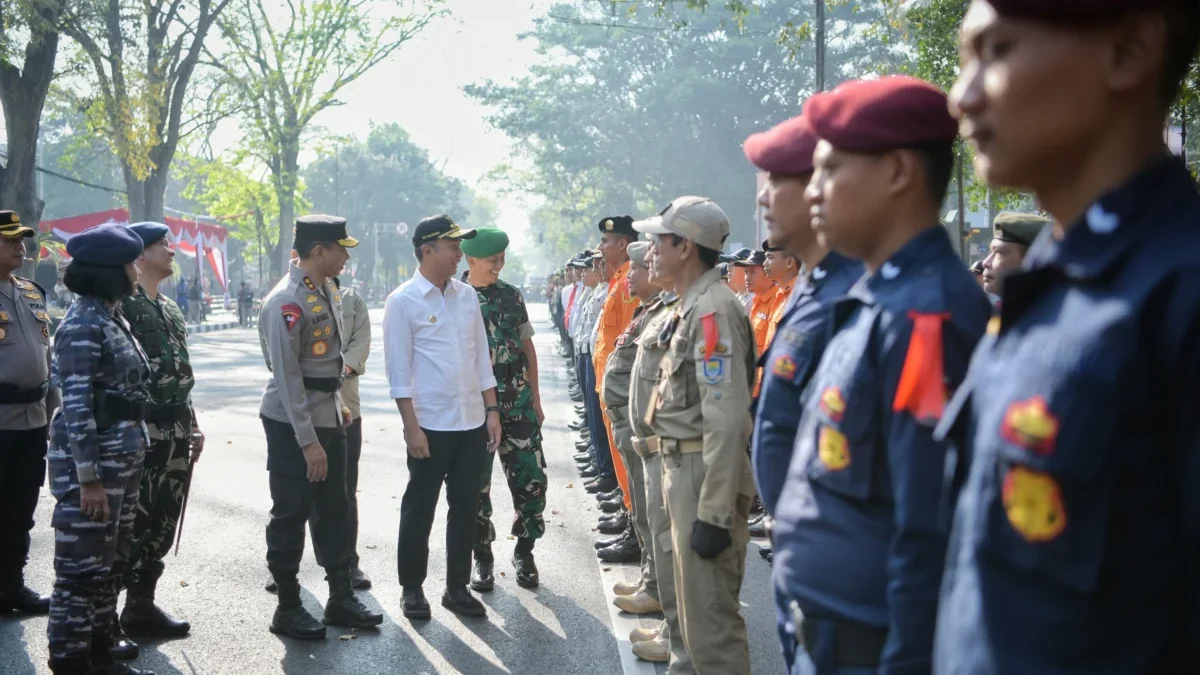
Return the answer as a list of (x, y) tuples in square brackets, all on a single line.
[(300, 331), (27, 399)]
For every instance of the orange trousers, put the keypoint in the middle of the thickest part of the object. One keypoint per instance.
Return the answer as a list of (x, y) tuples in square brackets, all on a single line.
[(618, 462)]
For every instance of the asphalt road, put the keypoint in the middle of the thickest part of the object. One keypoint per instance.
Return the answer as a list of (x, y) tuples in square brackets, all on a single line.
[(566, 626)]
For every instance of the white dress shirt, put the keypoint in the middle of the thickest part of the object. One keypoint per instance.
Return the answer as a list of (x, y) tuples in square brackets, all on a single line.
[(435, 351)]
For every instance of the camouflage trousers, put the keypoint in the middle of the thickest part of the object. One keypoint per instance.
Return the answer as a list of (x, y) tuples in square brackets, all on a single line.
[(525, 470), (90, 557), (160, 499)]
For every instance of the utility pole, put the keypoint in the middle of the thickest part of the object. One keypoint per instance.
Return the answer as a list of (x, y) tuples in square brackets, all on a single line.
[(820, 45), (337, 192)]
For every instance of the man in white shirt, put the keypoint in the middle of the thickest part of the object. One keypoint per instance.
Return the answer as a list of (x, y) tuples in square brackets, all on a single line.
[(439, 370)]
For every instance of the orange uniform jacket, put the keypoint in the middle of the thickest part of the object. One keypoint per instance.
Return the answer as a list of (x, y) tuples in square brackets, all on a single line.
[(614, 318), (762, 308)]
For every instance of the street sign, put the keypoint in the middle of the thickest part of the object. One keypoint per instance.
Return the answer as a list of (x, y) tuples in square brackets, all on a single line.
[(402, 229)]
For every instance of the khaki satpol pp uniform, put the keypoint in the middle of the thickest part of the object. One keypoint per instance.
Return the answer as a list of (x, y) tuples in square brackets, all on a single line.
[(699, 409)]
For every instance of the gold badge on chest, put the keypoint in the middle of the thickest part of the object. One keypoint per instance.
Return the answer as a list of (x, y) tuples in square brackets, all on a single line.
[(320, 348), (432, 318), (4, 316), (3, 333)]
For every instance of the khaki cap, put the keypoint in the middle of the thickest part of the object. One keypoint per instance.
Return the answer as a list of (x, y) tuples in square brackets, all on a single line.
[(697, 219), (637, 253)]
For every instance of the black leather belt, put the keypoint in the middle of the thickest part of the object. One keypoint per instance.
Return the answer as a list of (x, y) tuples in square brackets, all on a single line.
[(11, 394), (856, 645), (111, 407), (167, 414), (509, 370), (328, 385)]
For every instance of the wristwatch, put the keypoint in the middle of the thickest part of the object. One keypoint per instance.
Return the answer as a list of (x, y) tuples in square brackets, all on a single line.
[(492, 408)]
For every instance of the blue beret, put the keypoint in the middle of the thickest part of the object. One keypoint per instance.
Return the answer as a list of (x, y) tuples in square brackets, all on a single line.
[(488, 241), (150, 232), (108, 245)]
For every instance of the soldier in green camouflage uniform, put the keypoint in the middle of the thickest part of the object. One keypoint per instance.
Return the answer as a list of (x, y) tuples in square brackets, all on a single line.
[(158, 324), (514, 362)]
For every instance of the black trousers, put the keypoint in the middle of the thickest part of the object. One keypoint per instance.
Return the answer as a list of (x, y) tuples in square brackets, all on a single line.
[(460, 459), (22, 475), (353, 453), (295, 501)]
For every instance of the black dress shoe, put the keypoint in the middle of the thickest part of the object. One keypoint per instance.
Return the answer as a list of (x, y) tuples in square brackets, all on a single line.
[(122, 649), (415, 604), (102, 660), (527, 572), (612, 526), (619, 516), (577, 426), (271, 587), (610, 495), (22, 599), (612, 505), (604, 484), (582, 446), (626, 551), (590, 471), (583, 458), (483, 580), (767, 552), (460, 601), (609, 541)]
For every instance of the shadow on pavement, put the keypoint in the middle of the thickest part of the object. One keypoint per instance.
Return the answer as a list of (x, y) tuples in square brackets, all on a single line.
[(14, 641)]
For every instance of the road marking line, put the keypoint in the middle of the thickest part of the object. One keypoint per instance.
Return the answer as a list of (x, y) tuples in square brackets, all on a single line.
[(622, 623)]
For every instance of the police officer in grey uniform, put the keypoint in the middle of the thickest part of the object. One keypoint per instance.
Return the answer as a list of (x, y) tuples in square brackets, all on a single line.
[(300, 328), (27, 400)]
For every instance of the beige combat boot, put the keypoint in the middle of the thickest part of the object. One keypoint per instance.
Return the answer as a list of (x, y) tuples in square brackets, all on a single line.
[(638, 603)]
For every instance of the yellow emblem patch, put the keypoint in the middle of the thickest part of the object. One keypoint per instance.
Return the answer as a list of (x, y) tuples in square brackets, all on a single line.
[(3, 333), (32, 295), (833, 403), (317, 332), (311, 299), (328, 331), (833, 449), (42, 315), (319, 348), (993, 327), (1034, 504), (337, 298), (318, 308), (4, 316), (1030, 424)]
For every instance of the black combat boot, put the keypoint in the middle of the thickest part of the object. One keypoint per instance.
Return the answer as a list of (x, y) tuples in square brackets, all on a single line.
[(142, 617), (483, 579), (122, 647), (77, 665), (344, 609), (527, 572), (104, 646), (291, 619), (16, 596)]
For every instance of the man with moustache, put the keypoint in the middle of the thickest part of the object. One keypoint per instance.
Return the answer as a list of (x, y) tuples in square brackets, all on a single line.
[(300, 330), (515, 365), (785, 153), (1075, 540), (783, 268), (1012, 235), (175, 440), (763, 294), (439, 371), (859, 540), (28, 400)]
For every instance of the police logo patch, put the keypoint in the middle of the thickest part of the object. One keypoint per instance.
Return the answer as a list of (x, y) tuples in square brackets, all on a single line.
[(316, 332), (320, 347), (714, 369), (311, 299), (833, 449), (1033, 503), (317, 309), (291, 315), (832, 403), (328, 331), (784, 367), (1031, 425), (4, 316), (45, 331)]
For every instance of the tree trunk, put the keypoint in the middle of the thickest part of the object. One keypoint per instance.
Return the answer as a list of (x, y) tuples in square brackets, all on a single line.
[(286, 194)]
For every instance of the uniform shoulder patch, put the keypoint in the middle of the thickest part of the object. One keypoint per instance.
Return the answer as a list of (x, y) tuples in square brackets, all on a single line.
[(715, 370), (712, 334), (291, 315)]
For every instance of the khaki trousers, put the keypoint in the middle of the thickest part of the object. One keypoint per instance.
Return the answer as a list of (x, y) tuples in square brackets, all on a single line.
[(663, 558), (623, 435), (707, 591)]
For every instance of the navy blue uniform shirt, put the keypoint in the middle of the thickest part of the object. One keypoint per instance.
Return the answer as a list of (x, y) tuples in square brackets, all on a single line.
[(857, 533), (1074, 547), (789, 362)]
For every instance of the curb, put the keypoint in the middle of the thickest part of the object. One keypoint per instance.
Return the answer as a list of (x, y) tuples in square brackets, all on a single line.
[(208, 327)]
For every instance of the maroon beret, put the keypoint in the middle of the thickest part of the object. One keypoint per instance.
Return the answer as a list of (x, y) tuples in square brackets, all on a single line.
[(883, 114), (1076, 11), (787, 148)]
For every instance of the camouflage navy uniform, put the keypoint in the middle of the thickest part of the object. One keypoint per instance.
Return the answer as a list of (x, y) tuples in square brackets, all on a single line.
[(160, 329), (97, 436), (508, 326)]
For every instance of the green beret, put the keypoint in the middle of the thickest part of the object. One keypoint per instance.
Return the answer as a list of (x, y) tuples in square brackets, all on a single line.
[(488, 242), (1018, 228)]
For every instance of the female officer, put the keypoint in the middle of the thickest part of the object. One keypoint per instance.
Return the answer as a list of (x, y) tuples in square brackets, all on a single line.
[(97, 445)]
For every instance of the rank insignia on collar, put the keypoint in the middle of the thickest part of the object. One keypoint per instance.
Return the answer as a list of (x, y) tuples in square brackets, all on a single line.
[(308, 283), (1034, 505), (832, 403), (319, 348), (337, 298), (1031, 425), (291, 315), (833, 449), (311, 299), (33, 295)]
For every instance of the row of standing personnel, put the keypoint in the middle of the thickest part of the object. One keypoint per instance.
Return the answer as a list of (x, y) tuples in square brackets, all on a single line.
[(958, 485)]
